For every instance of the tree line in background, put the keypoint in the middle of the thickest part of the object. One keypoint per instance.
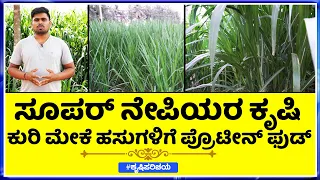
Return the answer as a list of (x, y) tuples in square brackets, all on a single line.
[(132, 13)]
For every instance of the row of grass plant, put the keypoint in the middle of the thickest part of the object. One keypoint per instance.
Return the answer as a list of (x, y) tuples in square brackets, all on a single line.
[(144, 56), (249, 48)]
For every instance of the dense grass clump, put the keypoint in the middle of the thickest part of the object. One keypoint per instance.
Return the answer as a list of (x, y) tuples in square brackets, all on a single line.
[(249, 48), (72, 27), (144, 56)]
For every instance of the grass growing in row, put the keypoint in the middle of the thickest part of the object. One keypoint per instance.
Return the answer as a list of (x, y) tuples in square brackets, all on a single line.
[(249, 48), (72, 28), (145, 56)]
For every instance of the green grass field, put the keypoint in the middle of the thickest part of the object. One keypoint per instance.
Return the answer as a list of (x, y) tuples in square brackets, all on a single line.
[(249, 48), (145, 56)]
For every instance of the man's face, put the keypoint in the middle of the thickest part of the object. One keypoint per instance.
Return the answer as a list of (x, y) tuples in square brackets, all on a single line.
[(41, 23)]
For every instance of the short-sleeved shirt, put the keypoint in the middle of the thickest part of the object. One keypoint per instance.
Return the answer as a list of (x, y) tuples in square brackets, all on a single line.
[(53, 54)]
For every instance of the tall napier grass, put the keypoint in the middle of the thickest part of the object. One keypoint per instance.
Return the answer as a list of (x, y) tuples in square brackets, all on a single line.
[(72, 27), (259, 48), (145, 56)]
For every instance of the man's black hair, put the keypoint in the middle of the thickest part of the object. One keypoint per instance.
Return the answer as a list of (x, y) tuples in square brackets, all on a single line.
[(40, 10)]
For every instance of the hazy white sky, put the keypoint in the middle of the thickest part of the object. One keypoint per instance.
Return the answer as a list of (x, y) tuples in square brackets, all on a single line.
[(64, 7)]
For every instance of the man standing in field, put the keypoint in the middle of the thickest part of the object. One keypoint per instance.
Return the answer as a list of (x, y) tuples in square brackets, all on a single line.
[(42, 56)]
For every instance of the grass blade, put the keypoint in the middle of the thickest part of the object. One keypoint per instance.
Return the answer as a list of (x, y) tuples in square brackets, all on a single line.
[(274, 20), (311, 25), (289, 24), (217, 75), (213, 33), (196, 60), (295, 72), (189, 29), (270, 80)]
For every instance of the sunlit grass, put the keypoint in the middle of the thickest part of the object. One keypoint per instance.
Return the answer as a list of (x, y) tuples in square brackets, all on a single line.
[(140, 57), (259, 48)]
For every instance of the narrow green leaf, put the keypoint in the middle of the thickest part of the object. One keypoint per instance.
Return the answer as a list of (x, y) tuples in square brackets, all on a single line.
[(196, 60), (274, 20), (295, 72), (217, 75), (213, 33), (311, 25), (270, 80)]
